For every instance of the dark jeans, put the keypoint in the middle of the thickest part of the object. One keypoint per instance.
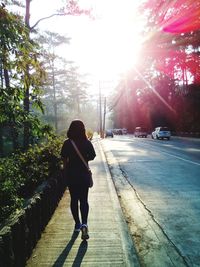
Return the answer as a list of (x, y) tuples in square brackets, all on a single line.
[(79, 194)]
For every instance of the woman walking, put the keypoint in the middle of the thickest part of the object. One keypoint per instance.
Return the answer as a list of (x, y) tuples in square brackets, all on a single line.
[(78, 177)]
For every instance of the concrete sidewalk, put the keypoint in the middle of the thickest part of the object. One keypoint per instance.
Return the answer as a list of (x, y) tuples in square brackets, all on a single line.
[(110, 243)]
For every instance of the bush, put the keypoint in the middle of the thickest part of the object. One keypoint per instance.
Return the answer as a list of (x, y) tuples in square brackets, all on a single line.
[(21, 173), (89, 134)]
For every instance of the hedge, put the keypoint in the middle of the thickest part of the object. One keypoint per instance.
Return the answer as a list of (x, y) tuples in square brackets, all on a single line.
[(21, 173)]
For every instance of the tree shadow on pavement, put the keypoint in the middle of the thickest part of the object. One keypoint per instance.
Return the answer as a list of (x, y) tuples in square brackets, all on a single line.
[(80, 254), (62, 257)]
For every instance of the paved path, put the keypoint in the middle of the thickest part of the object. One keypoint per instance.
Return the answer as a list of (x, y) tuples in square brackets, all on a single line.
[(110, 243)]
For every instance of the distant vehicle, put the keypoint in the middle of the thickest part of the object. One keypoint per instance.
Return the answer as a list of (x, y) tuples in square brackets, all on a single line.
[(120, 131), (161, 133), (109, 133), (124, 131), (140, 132), (117, 131)]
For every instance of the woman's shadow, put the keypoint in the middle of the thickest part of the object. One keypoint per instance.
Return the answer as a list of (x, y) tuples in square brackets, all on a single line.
[(79, 256)]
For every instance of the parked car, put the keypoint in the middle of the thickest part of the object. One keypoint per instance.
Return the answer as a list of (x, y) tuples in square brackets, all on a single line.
[(117, 131), (109, 133), (124, 131), (161, 133), (140, 132)]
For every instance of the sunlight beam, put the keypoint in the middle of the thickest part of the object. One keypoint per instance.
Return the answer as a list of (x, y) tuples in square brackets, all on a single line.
[(155, 92)]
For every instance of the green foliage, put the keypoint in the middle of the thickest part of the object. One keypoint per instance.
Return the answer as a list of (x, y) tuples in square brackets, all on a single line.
[(21, 173), (20, 70), (8, 188), (89, 134)]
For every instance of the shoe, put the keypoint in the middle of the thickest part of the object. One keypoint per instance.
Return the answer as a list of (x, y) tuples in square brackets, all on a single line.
[(77, 227), (84, 230)]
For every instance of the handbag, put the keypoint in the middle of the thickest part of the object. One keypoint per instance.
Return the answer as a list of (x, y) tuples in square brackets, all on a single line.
[(85, 163)]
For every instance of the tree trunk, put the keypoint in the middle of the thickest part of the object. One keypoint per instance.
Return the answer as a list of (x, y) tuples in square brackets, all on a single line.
[(78, 106), (1, 142), (1, 74), (26, 110), (26, 90), (14, 134), (6, 77), (54, 98), (27, 15), (1, 128), (5, 70)]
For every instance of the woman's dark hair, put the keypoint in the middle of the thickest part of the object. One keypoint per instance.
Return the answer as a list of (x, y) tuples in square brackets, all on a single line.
[(76, 130)]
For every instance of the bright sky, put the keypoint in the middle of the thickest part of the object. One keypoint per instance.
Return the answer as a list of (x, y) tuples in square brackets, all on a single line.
[(104, 47)]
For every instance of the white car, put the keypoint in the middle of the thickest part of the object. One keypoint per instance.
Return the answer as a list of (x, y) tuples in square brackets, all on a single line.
[(161, 133)]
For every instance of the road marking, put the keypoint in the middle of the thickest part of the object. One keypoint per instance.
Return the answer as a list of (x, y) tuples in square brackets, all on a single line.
[(186, 160), (193, 162)]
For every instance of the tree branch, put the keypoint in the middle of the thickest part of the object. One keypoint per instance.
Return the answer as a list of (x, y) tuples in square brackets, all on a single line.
[(53, 15)]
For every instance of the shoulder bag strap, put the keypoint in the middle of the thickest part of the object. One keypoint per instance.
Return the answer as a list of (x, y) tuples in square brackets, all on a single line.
[(79, 154)]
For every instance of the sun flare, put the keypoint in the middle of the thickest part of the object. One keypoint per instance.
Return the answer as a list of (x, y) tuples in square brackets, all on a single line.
[(117, 49), (105, 47), (115, 41)]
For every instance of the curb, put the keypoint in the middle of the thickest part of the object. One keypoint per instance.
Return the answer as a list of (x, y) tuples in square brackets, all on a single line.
[(127, 241), (153, 246)]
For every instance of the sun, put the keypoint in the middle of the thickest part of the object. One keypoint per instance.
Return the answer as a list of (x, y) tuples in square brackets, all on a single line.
[(115, 42), (106, 47), (118, 49)]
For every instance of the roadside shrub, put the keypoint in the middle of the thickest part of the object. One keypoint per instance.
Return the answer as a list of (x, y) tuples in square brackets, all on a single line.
[(89, 134), (21, 173), (9, 200)]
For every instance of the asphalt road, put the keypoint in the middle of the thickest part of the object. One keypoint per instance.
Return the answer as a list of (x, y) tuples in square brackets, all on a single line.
[(166, 176)]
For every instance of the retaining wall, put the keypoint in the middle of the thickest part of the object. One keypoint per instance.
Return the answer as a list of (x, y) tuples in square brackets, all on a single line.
[(22, 231)]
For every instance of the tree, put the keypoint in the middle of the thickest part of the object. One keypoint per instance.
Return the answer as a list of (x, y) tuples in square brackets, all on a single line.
[(71, 8), (15, 51), (170, 63), (56, 70)]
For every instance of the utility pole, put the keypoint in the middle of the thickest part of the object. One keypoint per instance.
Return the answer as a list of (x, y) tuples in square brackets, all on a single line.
[(104, 116), (100, 113)]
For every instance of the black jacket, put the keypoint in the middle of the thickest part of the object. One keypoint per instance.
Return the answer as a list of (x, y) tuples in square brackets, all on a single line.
[(77, 173)]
